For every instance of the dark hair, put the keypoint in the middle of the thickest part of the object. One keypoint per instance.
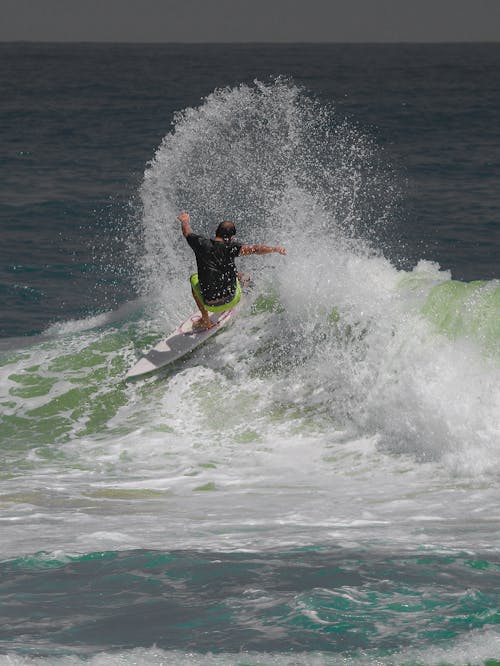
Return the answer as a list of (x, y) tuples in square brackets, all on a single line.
[(225, 230)]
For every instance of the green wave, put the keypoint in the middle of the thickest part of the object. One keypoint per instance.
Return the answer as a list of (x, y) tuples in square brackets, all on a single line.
[(61, 389), (466, 310)]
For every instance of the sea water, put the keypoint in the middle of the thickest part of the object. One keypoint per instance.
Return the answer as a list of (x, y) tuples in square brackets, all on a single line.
[(318, 484)]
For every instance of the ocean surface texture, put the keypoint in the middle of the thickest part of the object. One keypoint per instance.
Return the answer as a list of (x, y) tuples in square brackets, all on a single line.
[(317, 485)]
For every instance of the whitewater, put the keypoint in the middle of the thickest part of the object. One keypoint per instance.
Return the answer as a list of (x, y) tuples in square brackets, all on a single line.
[(352, 406)]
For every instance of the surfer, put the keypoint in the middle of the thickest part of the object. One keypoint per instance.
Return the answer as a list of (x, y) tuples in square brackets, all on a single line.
[(216, 286)]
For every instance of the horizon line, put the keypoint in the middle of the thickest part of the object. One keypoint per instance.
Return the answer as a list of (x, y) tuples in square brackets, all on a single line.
[(249, 42)]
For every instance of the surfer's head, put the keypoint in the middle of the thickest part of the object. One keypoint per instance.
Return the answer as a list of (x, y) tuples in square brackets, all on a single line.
[(226, 230)]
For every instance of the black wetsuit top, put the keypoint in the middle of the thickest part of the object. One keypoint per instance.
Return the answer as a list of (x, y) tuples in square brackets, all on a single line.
[(216, 267)]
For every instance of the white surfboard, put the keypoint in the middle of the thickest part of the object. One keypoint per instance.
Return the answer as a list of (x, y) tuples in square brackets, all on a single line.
[(182, 341)]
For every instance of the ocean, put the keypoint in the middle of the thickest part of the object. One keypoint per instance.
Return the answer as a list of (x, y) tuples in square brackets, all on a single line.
[(316, 485)]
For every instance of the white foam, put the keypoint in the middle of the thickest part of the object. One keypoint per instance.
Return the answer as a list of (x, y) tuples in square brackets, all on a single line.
[(476, 649), (62, 328)]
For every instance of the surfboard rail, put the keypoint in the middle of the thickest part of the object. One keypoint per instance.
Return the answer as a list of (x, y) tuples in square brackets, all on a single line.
[(183, 340)]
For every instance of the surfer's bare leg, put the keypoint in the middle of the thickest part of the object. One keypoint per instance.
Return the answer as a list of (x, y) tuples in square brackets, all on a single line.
[(204, 323)]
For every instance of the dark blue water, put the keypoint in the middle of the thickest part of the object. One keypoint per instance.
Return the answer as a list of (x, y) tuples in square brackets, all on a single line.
[(79, 123)]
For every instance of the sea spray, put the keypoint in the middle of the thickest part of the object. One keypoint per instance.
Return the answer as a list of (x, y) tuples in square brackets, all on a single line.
[(281, 165)]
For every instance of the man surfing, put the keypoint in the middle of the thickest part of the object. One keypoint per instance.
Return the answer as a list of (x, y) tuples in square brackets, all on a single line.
[(216, 286)]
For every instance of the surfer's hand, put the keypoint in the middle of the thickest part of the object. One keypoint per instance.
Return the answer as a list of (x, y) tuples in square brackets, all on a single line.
[(185, 225)]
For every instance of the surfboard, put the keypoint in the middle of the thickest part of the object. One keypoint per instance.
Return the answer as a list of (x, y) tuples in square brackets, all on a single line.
[(181, 342)]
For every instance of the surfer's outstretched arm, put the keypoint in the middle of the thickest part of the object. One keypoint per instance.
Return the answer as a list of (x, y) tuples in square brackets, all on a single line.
[(184, 219), (260, 249)]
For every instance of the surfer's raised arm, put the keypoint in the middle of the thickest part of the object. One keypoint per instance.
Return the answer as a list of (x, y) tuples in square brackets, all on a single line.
[(260, 249), (184, 219)]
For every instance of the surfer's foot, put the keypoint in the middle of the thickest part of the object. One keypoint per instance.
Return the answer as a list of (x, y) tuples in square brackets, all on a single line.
[(202, 325)]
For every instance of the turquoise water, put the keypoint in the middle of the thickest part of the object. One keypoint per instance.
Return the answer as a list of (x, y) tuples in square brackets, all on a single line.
[(360, 602), (318, 483)]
